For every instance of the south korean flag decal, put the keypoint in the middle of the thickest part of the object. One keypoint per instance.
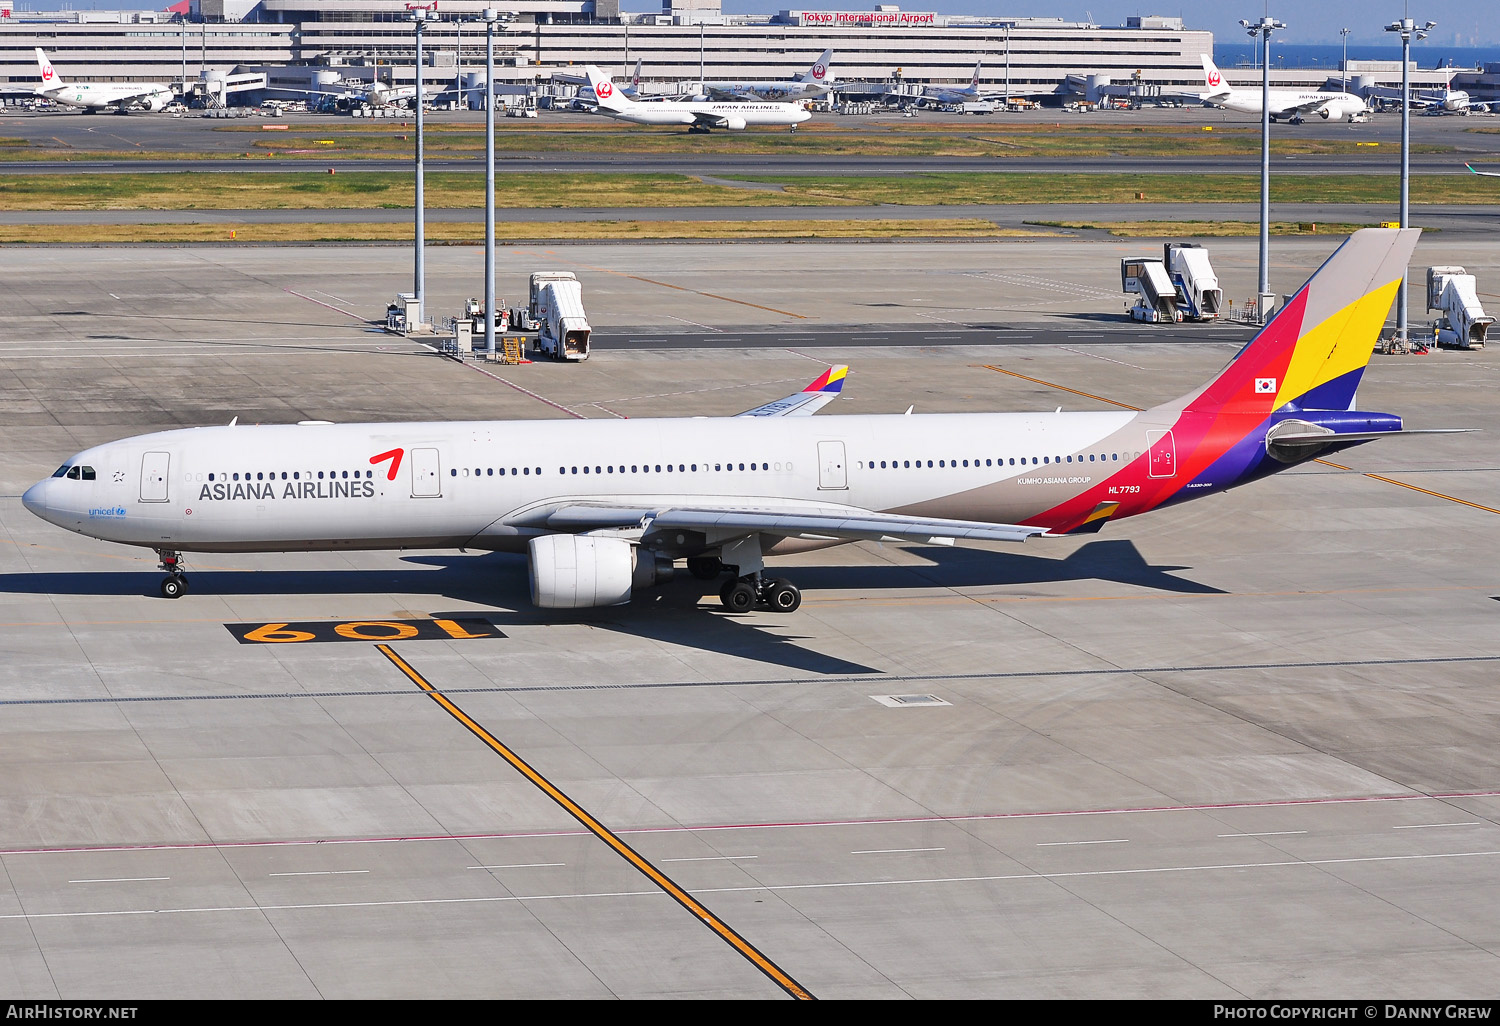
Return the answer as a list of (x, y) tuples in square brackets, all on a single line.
[(1265, 386)]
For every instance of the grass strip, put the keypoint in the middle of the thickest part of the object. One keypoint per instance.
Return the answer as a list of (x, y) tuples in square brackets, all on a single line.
[(1017, 187), (1206, 229), (393, 190), (452, 233), (372, 189)]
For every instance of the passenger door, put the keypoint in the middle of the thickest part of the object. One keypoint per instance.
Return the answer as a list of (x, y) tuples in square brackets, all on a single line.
[(832, 473), (426, 474), (155, 467), (1163, 454)]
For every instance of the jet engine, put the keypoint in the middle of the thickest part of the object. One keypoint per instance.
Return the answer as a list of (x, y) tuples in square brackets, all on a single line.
[(580, 571), (734, 124), (1325, 113)]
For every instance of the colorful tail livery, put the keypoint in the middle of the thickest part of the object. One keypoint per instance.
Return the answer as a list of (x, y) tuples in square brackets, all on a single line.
[(1287, 396)]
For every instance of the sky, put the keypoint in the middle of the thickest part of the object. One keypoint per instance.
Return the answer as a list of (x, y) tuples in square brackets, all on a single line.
[(1459, 22)]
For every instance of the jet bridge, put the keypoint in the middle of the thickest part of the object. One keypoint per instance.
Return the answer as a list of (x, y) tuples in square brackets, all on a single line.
[(1453, 292)]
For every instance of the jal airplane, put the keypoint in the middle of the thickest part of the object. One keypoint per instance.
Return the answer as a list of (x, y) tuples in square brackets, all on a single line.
[(1286, 104), (698, 115), (605, 507), (816, 81), (967, 94), (100, 95)]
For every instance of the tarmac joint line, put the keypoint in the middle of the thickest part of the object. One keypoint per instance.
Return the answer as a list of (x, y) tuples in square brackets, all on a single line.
[(599, 830)]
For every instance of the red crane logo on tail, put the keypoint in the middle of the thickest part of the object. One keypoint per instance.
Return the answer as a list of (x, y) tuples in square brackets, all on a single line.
[(47, 73), (604, 90), (819, 71), (1214, 78), (395, 457)]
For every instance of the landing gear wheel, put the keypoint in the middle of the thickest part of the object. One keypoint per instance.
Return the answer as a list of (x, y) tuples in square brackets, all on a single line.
[(783, 596), (173, 586), (705, 568), (738, 596)]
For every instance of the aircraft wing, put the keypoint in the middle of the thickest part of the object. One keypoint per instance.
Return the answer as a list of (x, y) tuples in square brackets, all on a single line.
[(733, 519), (1310, 107), (1486, 174), (708, 120), (808, 401)]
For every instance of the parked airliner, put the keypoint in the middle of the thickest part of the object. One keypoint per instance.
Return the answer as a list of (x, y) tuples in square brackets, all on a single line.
[(698, 115), (816, 81), (100, 95), (1286, 104), (604, 507)]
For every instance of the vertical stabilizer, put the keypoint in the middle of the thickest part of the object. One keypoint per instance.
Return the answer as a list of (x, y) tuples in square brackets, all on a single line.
[(821, 71), (1314, 351), (50, 78), (605, 92), (1214, 78)]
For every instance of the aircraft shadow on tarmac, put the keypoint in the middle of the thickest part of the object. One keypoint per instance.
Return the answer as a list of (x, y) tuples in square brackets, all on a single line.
[(684, 612)]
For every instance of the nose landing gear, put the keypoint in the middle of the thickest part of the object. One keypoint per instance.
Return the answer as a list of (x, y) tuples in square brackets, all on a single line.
[(175, 584)]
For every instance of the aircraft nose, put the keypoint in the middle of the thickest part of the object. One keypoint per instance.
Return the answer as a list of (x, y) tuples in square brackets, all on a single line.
[(35, 498)]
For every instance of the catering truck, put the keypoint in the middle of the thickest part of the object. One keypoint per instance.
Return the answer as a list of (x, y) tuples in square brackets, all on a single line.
[(557, 310)]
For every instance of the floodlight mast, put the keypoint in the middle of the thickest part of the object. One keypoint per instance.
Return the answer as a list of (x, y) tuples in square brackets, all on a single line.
[(1263, 28), (1407, 29)]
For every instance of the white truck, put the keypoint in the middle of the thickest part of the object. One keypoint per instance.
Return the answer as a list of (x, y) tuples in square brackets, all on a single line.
[(1452, 292), (557, 310)]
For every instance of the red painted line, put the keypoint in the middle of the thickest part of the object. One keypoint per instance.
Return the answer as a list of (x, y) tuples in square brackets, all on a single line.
[(778, 825), (527, 391)]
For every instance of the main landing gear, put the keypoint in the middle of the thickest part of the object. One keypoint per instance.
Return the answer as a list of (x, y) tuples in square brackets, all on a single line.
[(742, 594), (175, 584)]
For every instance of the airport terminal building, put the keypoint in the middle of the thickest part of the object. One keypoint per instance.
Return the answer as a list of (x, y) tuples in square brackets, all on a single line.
[(877, 50)]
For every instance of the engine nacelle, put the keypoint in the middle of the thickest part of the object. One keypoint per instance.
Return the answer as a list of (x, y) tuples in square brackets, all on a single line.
[(735, 124), (570, 571), (1325, 113)]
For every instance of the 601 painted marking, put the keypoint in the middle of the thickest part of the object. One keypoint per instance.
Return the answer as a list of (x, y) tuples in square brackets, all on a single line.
[(362, 630)]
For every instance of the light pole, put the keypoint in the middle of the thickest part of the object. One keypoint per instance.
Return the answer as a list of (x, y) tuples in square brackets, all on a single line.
[(419, 271), (1407, 28), (1264, 298), (490, 15), (1344, 64)]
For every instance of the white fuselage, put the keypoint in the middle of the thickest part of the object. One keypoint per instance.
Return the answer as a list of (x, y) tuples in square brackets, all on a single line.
[(97, 95), (689, 112), (784, 91), (1286, 103), (491, 484)]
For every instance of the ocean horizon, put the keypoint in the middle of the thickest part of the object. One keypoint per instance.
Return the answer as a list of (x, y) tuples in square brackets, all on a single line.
[(1328, 55)]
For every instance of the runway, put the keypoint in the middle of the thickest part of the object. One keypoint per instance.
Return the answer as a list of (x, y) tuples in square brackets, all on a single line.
[(1243, 747)]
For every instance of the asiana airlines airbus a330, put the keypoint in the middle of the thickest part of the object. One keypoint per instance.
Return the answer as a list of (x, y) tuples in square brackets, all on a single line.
[(606, 507)]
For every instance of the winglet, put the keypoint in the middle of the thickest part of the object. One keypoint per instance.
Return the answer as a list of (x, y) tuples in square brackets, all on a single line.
[(831, 381), (808, 401)]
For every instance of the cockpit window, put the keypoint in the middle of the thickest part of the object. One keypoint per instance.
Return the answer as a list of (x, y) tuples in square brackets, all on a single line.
[(73, 473), (88, 473), (60, 471)]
